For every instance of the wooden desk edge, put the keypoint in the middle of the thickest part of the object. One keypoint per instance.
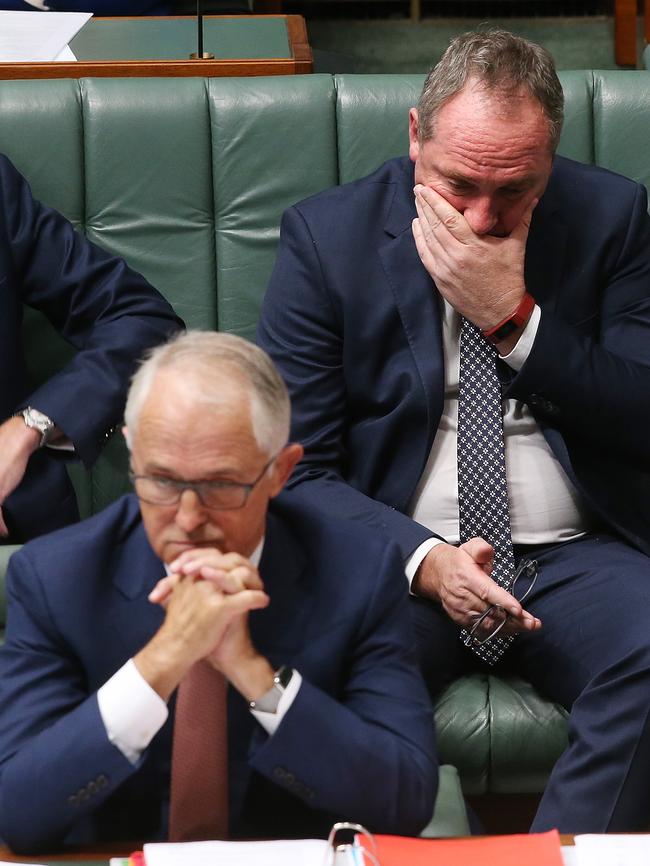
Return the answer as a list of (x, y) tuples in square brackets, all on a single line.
[(299, 63)]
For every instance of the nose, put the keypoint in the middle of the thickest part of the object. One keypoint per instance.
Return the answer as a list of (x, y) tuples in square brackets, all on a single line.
[(191, 513), (482, 215)]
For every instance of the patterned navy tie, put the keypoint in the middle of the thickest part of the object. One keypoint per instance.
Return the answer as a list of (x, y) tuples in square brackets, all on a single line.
[(482, 488)]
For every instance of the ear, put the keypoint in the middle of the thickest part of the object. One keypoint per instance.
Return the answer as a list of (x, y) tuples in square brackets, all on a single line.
[(127, 436), (414, 142), (284, 465)]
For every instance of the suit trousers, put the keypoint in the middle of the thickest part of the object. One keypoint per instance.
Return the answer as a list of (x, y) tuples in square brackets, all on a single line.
[(592, 656)]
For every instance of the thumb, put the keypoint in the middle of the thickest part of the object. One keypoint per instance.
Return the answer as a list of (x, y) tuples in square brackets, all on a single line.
[(520, 231), (481, 552)]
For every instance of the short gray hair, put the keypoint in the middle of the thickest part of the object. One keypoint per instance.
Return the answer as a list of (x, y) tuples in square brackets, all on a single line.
[(205, 357), (503, 64)]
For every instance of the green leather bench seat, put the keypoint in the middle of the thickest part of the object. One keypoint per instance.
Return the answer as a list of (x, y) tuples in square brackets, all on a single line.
[(187, 178)]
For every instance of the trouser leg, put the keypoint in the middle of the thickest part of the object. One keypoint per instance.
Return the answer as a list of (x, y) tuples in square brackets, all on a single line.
[(593, 656)]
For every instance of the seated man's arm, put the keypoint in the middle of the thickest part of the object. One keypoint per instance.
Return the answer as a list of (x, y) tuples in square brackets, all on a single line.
[(56, 761), (107, 311), (591, 380), (368, 752), (301, 330)]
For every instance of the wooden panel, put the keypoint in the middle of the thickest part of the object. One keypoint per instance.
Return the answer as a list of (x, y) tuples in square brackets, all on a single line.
[(299, 62), (625, 32)]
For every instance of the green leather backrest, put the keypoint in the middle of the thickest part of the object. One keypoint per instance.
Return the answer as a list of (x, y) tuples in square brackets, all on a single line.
[(5, 552), (187, 178)]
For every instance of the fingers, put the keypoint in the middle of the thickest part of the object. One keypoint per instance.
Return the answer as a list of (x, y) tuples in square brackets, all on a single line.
[(163, 589), (230, 571), (439, 216), (4, 532), (520, 232)]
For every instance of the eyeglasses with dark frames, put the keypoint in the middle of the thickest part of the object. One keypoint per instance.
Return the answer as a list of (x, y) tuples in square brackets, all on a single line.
[(488, 625), (214, 495)]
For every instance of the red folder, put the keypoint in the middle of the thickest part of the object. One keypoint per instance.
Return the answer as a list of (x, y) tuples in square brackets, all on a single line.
[(534, 849)]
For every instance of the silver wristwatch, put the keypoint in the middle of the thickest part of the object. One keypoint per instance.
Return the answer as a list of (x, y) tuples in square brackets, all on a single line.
[(270, 700), (38, 421)]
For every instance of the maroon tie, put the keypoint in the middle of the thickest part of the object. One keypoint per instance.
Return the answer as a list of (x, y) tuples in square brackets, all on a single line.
[(199, 782)]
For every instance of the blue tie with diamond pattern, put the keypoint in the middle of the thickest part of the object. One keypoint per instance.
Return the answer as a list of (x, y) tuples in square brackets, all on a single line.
[(482, 488)]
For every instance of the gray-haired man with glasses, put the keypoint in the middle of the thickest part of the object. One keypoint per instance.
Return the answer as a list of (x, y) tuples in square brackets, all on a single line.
[(203, 660)]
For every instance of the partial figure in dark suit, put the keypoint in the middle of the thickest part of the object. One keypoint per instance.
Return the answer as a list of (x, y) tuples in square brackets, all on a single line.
[(485, 231), (305, 617), (109, 313)]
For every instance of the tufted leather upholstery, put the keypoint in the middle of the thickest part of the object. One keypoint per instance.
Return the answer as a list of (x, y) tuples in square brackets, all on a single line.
[(187, 179)]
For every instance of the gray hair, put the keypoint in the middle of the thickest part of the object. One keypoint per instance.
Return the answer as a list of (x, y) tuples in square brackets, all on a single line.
[(205, 357), (504, 64)]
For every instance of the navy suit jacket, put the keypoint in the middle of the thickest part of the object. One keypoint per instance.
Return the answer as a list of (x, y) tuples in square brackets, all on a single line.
[(357, 743), (109, 313), (351, 318)]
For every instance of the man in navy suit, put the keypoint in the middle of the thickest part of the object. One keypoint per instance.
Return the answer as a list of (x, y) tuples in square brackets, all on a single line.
[(303, 615), (550, 259), (109, 313)]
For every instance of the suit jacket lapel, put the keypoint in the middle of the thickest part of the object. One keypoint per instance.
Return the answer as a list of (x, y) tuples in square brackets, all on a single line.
[(545, 251), (279, 629), (415, 294), (136, 570)]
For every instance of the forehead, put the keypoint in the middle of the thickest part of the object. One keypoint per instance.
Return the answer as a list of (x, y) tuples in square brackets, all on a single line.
[(482, 130), (184, 429)]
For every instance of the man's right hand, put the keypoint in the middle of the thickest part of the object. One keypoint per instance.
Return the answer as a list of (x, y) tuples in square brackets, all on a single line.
[(17, 443), (459, 578)]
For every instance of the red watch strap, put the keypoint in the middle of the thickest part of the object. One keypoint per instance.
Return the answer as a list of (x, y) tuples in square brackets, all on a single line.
[(515, 320)]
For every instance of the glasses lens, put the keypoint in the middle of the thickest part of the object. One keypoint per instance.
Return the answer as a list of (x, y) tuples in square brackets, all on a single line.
[(157, 491), (222, 495), (524, 579), (487, 626)]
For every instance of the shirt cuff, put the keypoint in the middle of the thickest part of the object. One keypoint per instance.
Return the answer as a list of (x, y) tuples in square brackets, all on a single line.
[(516, 358), (270, 721), (415, 559), (131, 710)]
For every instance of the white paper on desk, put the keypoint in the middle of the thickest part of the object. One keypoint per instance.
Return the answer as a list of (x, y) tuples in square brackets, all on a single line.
[(291, 852), (613, 849), (34, 37), (65, 56), (570, 855)]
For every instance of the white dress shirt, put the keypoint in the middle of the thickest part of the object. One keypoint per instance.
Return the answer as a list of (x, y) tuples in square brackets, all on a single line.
[(133, 713), (544, 504)]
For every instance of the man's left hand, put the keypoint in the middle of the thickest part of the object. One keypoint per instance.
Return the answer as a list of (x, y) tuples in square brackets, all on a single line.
[(481, 276)]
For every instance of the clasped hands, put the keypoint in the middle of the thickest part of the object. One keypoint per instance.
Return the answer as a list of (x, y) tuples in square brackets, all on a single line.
[(481, 276), (207, 598), (459, 578)]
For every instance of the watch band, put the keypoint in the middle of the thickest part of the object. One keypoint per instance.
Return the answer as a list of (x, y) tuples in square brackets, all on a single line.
[(510, 324), (38, 421), (269, 701)]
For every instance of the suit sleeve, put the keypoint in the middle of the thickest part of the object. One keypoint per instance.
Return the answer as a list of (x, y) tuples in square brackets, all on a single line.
[(591, 379), (108, 312), (369, 753), (56, 762), (302, 331)]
